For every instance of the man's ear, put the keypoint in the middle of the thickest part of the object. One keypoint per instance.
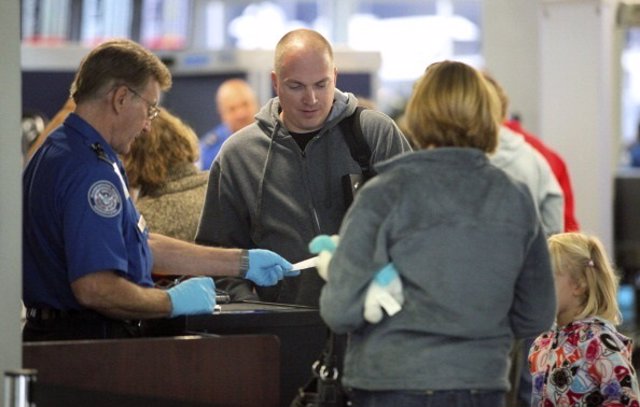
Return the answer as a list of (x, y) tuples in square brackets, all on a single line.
[(274, 81), (118, 98)]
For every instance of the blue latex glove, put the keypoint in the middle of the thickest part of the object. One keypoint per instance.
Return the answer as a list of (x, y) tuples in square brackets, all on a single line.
[(267, 268), (193, 296), (384, 293), (324, 246)]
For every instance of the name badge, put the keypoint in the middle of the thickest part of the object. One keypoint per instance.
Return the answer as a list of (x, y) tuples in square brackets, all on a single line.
[(142, 224)]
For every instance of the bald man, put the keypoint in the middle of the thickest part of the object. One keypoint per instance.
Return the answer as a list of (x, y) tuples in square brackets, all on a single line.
[(237, 105), (277, 182)]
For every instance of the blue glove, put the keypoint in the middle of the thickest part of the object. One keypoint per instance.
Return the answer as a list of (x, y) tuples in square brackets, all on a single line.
[(384, 293), (193, 296), (267, 268), (324, 246)]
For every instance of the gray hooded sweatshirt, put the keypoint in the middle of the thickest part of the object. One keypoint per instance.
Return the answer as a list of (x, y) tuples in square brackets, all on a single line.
[(523, 163), (264, 192)]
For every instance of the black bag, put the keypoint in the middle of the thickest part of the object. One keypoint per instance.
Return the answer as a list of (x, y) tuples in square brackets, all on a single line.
[(324, 388), (360, 151)]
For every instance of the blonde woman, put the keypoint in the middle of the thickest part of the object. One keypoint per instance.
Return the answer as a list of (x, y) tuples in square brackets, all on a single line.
[(467, 243), (583, 360)]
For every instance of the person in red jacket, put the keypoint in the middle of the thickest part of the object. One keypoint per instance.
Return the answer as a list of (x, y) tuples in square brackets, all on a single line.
[(560, 170), (521, 378)]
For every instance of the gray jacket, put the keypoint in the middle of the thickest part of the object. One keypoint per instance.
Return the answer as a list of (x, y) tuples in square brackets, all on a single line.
[(264, 192), (525, 164), (473, 259)]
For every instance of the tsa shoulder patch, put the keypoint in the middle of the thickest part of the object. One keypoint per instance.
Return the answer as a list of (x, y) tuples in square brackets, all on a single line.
[(104, 199)]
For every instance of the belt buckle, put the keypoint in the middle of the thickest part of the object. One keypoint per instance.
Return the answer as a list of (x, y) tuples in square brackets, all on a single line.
[(48, 314), (32, 313), (42, 314)]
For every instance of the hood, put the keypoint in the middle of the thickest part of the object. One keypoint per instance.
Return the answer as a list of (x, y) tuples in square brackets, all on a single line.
[(268, 117), (509, 144)]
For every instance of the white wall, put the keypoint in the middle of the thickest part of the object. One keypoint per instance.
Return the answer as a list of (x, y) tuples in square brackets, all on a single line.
[(510, 48), (559, 62), (580, 108), (10, 188)]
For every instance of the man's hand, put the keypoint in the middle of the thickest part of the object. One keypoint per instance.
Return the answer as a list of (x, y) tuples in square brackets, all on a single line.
[(266, 268), (193, 296)]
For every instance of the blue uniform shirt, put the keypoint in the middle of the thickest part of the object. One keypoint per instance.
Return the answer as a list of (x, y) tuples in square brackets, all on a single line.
[(78, 217), (634, 153), (211, 143)]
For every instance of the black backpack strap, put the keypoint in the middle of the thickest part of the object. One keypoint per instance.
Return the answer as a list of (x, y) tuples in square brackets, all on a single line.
[(360, 150)]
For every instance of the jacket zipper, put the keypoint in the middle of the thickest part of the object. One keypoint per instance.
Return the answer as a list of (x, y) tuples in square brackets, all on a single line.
[(314, 212)]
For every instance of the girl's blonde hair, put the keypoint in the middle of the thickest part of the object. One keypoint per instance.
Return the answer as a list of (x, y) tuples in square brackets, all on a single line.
[(585, 259)]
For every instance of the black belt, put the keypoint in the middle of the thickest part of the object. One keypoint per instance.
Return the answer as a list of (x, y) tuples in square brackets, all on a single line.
[(53, 324), (49, 314)]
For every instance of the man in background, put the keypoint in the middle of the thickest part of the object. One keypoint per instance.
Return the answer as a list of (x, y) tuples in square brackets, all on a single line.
[(524, 163), (559, 169), (237, 105)]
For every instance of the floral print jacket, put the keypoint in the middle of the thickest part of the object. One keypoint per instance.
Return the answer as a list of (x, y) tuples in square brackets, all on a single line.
[(585, 363)]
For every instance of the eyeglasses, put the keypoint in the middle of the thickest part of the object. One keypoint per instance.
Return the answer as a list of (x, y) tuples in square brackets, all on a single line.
[(152, 108)]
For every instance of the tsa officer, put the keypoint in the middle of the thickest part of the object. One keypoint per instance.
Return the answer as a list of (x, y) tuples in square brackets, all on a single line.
[(87, 253)]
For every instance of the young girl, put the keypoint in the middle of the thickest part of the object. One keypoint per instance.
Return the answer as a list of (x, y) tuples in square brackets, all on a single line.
[(583, 360)]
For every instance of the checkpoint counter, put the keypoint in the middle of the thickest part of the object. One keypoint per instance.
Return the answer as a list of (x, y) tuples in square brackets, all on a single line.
[(246, 354), (300, 330), (184, 371)]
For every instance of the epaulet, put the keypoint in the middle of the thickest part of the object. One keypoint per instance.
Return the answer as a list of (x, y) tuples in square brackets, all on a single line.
[(99, 150)]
